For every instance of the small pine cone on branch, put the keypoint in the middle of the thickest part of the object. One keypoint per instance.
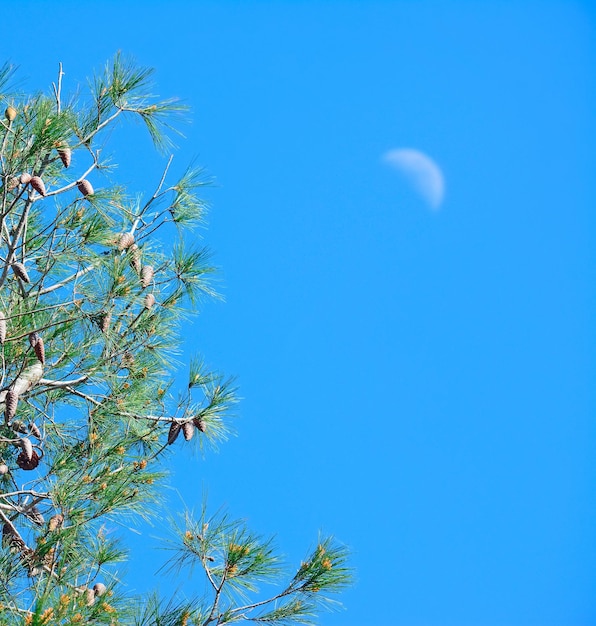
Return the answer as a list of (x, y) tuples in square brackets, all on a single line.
[(20, 271), (34, 430), (125, 241), (25, 178), (65, 154), (3, 469), (89, 596), (10, 537), (146, 275), (85, 187), (99, 589), (200, 423), (28, 464), (38, 185), (135, 258), (188, 430), (173, 432), (2, 327), (37, 344), (128, 360), (12, 183), (56, 522), (49, 558), (19, 427), (149, 300), (11, 401), (103, 321), (27, 448), (35, 516), (10, 113)]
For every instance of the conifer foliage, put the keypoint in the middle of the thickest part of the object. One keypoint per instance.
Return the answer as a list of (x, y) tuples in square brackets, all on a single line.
[(94, 280)]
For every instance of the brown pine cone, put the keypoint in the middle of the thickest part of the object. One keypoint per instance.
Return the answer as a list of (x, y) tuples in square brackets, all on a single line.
[(35, 516), (135, 258), (125, 241), (89, 597), (10, 404), (27, 448), (146, 275), (173, 432), (19, 427), (149, 300), (65, 155), (188, 430), (38, 185), (85, 187), (10, 537), (28, 464), (20, 271), (56, 522), (200, 423), (99, 589), (10, 113), (40, 351)]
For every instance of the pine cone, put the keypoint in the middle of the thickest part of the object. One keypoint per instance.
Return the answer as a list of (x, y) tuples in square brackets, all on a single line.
[(20, 271), (10, 404), (38, 185), (89, 597), (25, 178), (188, 430), (34, 430), (10, 114), (65, 155), (146, 275), (56, 522), (19, 427), (12, 183), (200, 423), (10, 537), (2, 327), (3, 469), (85, 187), (149, 300), (99, 589), (173, 433), (135, 258), (49, 558), (35, 516), (28, 464), (125, 241), (128, 360), (27, 448), (103, 321), (37, 343)]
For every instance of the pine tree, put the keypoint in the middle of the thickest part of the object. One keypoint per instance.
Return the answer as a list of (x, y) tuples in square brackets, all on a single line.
[(94, 281)]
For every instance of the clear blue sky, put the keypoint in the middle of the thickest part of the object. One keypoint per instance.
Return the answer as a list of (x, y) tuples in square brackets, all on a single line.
[(419, 383)]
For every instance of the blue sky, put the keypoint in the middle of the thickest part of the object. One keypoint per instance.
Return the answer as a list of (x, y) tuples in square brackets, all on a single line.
[(419, 383)]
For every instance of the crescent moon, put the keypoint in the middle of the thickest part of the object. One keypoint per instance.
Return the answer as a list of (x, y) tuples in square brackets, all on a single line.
[(421, 171)]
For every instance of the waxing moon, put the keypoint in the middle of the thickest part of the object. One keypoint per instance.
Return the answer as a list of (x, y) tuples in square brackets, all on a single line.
[(420, 171)]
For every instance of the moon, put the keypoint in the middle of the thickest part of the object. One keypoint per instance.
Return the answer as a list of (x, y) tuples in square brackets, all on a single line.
[(420, 171)]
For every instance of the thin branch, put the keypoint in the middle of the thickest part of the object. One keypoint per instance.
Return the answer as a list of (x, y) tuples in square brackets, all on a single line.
[(153, 197), (62, 283), (58, 89), (58, 384)]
